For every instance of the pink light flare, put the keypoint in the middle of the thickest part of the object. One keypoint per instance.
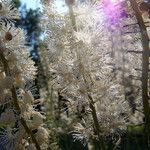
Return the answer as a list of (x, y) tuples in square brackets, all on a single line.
[(114, 10), (114, 1)]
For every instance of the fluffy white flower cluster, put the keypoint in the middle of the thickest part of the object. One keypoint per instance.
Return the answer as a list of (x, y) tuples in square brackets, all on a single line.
[(92, 63), (21, 125)]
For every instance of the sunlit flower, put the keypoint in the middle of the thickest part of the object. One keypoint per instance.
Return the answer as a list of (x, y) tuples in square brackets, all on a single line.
[(8, 12), (16, 48), (16, 72)]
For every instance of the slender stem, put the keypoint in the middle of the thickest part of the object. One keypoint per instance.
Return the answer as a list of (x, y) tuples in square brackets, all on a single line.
[(96, 123), (145, 65), (72, 18), (16, 104), (94, 116)]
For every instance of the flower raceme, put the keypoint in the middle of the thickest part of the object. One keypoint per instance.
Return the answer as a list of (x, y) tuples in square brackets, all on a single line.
[(89, 62), (18, 117)]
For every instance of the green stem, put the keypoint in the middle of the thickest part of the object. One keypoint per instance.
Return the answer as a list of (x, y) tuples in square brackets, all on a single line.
[(96, 123)]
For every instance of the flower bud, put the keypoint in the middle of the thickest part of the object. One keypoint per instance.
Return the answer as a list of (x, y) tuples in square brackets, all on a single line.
[(42, 135), (1, 6), (45, 1), (2, 47), (69, 2), (8, 36), (2, 75), (27, 97), (7, 117), (36, 120), (149, 14), (19, 80), (31, 147), (7, 82), (12, 57)]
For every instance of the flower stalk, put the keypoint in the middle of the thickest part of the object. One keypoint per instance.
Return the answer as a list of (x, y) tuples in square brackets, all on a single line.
[(16, 104), (91, 101), (145, 66)]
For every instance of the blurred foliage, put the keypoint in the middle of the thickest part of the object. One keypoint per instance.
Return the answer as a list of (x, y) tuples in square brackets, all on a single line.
[(30, 23), (17, 3)]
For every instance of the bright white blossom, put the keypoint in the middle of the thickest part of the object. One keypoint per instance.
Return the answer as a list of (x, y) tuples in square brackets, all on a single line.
[(18, 117), (83, 65)]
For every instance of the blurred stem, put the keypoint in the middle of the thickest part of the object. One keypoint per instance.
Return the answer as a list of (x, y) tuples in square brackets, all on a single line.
[(72, 18), (94, 116), (145, 66), (96, 123), (16, 104)]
